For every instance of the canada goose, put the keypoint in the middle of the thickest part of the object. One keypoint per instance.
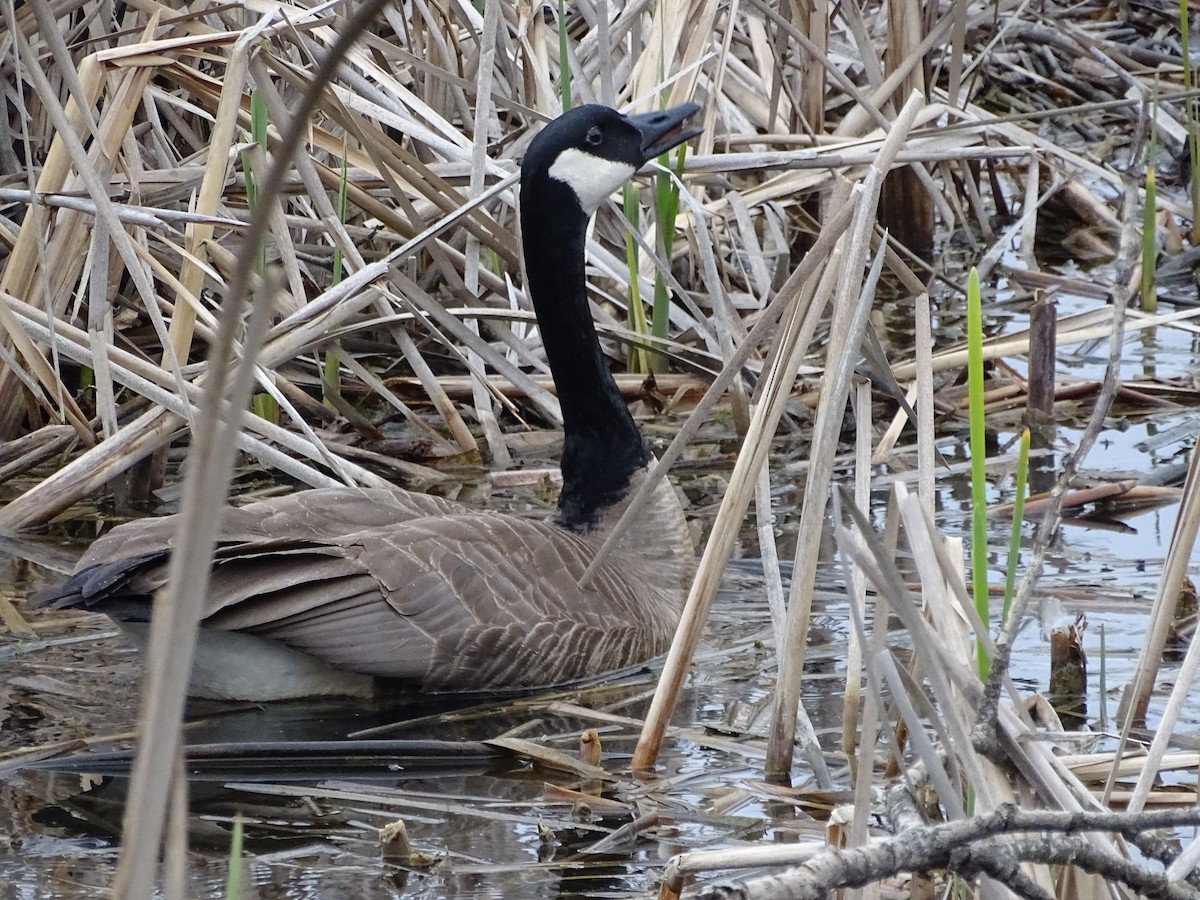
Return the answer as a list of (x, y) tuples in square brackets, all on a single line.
[(329, 591)]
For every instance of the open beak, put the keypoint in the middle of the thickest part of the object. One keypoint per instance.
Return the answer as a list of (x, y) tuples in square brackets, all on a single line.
[(665, 128)]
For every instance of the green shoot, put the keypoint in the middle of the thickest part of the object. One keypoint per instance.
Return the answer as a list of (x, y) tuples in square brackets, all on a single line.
[(666, 207), (979, 576), (666, 201), (637, 361), (341, 205), (233, 881), (1014, 542), (258, 134), (264, 406)]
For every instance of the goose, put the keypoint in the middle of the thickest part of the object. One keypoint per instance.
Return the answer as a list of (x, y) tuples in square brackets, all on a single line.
[(350, 591)]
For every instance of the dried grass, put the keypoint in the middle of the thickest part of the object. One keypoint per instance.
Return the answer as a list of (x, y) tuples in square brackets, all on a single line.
[(119, 248)]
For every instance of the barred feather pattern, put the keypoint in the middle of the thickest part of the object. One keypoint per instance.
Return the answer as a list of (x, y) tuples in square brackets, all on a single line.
[(417, 588)]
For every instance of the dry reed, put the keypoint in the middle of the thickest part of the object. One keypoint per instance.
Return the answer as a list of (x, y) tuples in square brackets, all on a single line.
[(121, 249)]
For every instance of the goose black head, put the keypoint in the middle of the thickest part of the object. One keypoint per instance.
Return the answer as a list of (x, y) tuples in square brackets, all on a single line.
[(593, 149)]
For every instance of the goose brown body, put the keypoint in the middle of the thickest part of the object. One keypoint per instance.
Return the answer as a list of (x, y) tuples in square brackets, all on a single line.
[(412, 588), (328, 591)]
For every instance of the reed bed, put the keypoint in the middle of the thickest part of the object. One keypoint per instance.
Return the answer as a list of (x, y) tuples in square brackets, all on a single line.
[(351, 170)]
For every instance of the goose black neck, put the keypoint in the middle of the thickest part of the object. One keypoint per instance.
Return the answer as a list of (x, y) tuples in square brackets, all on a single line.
[(602, 444)]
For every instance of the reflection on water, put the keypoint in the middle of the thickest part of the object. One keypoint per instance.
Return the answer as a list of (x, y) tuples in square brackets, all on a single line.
[(317, 847)]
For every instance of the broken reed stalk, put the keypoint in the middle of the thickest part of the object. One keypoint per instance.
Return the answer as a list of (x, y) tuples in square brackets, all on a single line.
[(92, 167), (1043, 354), (870, 646), (19, 274), (1020, 491), (813, 21), (856, 587), (905, 203), (198, 235), (1089, 326), (978, 450), (923, 373)]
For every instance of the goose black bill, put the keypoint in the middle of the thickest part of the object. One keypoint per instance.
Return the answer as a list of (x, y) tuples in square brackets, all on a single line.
[(665, 128)]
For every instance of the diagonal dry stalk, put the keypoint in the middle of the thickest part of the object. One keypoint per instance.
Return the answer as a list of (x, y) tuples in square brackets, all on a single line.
[(802, 300)]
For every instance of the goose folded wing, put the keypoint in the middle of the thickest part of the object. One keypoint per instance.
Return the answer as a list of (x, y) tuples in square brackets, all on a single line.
[(450, 601), (457, 602)]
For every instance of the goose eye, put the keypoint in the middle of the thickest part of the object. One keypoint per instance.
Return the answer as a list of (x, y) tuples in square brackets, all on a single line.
[(594, 137)]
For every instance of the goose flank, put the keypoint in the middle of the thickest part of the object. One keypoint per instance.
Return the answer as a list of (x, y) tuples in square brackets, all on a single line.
[(336, 591)]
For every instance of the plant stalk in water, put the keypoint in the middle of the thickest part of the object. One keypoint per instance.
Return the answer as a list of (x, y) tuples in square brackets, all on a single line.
[(1149, 292), (1191, 117), (331, 371), (979, 576), (263, 405), (233, 880), (1014, 541)]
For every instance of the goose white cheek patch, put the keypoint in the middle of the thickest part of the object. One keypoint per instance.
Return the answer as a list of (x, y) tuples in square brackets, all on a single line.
[(592, 178)]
